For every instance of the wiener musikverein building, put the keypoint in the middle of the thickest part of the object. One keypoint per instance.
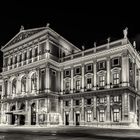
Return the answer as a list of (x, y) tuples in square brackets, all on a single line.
[(49, 81)]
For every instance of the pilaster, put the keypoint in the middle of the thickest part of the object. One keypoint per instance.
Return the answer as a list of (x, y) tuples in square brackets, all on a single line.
[(82, 113), (47, 88), (62, 88), (83, 77), (108, 72), (71, 113), (71, 79), (95, 74), (125, 69)]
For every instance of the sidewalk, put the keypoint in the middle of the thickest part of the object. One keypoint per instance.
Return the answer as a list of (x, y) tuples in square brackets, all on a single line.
[(108, 133)]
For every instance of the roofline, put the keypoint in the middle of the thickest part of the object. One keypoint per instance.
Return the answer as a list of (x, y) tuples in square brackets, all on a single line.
[(48, 28)]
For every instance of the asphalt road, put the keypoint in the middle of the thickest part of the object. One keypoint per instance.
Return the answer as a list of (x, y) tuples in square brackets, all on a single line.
[(69, 133)]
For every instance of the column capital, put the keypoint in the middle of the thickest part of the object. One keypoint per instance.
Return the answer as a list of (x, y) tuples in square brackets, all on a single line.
[(125, 53), (108, 58)]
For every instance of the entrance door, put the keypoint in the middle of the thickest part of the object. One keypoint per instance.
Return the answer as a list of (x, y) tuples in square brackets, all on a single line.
[(77, 119), (22, 119), (33, 114), (67, 119)]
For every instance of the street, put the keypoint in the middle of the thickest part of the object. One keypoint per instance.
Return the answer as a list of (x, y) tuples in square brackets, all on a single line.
[(69, 133)]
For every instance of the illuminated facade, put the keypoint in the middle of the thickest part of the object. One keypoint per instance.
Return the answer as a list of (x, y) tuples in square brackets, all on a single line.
[(49, 81)]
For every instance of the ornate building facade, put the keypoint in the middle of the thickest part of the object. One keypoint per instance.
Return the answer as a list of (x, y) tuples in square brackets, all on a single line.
[(49, 81)]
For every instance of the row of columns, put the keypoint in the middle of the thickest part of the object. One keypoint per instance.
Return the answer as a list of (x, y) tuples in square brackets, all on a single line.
[(28, 82), (124, 112), (124, 74)]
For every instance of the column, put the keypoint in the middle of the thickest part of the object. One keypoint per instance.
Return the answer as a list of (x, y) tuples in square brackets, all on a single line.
[(3, 88), (61, 112), (108, 72), (38, 80), (95, 75), (38, 52), (16, 116), (125, 106), (47, 88), (83, 77), (139, 80), (47, 46), (82, 112), (8, 116), (108, 108), (18, 85), (62, 82), (37, 112), (27, 111), (71, 79), (9, 88), (94, 109), (28, 53), (27, 83), (71, 114), (135, 76), (48, 106), (46, 110), (125, 69)]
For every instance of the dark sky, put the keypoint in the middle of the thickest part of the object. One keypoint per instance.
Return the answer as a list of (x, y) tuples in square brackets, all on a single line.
[(80, 25)]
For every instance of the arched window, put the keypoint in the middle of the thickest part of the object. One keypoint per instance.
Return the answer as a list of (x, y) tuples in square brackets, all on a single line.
[(33, 82), (14, 86), (23, 84)]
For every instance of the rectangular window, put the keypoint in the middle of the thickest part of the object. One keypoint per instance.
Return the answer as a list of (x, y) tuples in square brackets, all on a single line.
[(88, 101), (102, 100), (101, 115), (78, 85), (77, 102), (89, 116), (89, 68), (89, 84), (115, 62), (101, 65), (116, 115), (67, 87), (77, 70), (15, 59), (30, 54), (116, 99), (25, 55), (20, 57), (67, 73), (116, 78), (101, 81), (66, 103), (42, 79), (0, 87)]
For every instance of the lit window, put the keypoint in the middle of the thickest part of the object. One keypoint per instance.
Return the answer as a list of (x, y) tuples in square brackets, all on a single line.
[(102, 100), (89, 116), (101, 81), (116, 115), (78, 85), (89, 84), (67, 87), (101, 115), (116, 78), (116, 99)]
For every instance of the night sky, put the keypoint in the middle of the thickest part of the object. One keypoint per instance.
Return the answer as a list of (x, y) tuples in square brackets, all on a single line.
[(79, 25)]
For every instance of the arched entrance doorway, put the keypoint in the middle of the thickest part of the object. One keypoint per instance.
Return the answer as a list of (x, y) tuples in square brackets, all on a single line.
[(33, 114), (22, 117), (13, 115)]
